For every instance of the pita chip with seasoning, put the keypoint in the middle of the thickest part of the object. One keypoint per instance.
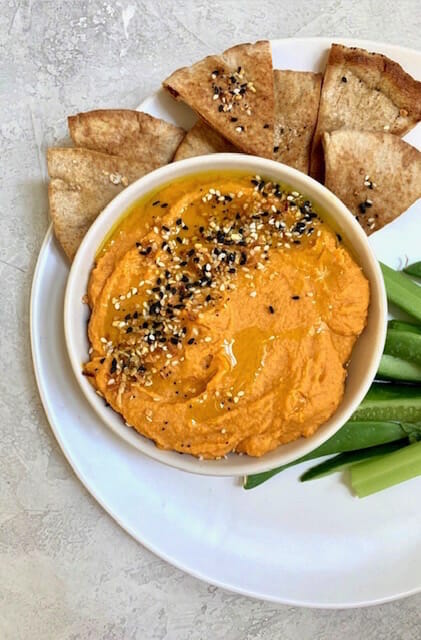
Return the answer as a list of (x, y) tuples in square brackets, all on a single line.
[(366, 92), (297, 96), (377, 175), (127, 133), (202, 140), (82, 183), (233, 93)]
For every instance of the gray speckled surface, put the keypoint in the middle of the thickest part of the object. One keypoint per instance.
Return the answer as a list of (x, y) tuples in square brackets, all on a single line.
[(66, 569)]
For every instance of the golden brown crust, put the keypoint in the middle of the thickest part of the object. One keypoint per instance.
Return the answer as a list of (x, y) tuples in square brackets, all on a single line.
[(201, 140), (237, 100), (364, 91), (377, 175), (402, 87), (82, 183), (297, 97), (126, 133)]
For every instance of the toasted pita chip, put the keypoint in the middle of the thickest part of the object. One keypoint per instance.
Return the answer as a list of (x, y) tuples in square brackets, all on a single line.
[(82, 183), (233, 93), (366, 92), (201, 140), (297, 96), (130, 134), (377, 175)]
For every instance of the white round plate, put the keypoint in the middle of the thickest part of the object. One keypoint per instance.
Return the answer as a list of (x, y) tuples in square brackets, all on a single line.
[(301, 544)]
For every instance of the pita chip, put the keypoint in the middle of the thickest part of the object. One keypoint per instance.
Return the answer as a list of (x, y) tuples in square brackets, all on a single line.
[(377, 175), (233, 93), (126, 133), (201, 140), (297, 96), (82, 183), (367, 92)]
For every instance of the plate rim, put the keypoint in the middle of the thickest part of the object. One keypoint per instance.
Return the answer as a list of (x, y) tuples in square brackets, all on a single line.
[(35, 358)]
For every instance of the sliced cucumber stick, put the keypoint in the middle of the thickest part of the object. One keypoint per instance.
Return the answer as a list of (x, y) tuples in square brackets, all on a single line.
[(353, 435), (402, 291), (343, 460), (390, 402), (414, 269), (403, 344), (392, 368), (400, 325)]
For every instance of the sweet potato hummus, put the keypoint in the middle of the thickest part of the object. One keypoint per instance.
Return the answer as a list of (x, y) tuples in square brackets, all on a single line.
[(224, 313)]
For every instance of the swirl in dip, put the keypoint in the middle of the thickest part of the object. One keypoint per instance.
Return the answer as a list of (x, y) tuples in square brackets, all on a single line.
[(224, 313)]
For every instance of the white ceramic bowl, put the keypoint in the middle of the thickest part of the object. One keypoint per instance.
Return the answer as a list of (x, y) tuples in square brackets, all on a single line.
[(366, 354)]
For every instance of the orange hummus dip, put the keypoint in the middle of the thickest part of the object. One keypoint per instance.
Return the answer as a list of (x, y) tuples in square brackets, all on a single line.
[(224, 313)]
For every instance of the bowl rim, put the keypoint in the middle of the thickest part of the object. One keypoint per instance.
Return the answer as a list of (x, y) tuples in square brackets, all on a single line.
[(244, 465)]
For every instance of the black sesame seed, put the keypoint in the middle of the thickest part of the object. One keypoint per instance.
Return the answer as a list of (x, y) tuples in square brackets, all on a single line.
[(155, 203), (164, 205), (129, 329), (295, 297), (344, 79), (234, 119), (190, 341), (275, 149), (154, 309), (338, 235), (265, 126), (271, 309)]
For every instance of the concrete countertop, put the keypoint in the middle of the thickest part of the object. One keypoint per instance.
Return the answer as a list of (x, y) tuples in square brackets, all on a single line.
[(67, 571)]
